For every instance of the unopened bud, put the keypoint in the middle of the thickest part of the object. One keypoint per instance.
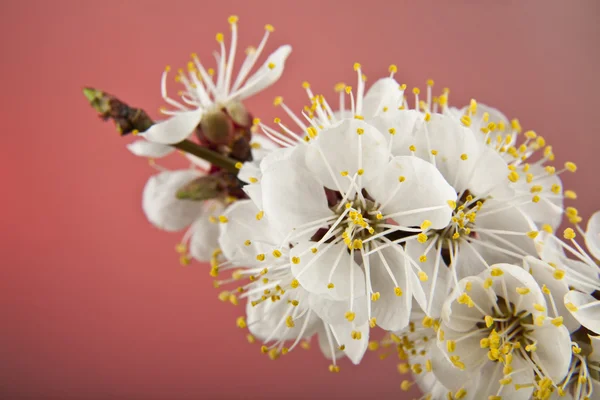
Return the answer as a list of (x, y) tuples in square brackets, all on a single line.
[(238, 113), (217, 128)]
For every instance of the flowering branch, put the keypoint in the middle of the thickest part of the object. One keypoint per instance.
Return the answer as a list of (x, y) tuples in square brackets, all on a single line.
[(132, 120)]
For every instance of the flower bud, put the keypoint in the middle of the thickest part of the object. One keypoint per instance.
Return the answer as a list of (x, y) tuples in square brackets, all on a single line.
[(217, 127)]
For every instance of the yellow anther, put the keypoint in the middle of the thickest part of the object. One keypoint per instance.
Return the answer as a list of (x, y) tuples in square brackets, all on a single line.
[(569, 234), (523, 290), (260, 215), (269, 27), (423, 276), (484, 343), (531, 347), (276, 253), (452, 204), (451, 346), (558, 321), (373, 322), (239, 165), (289, 322), (558, 274), (260, 257), (397, 291), (349, 315), (464, 157), (357, 244), (456, 235), (539, 307), (555, 188), (536, 189), (247, 243), (241, 322), (550, 169), (422, 238), (532, 234), (570, 166), (412, 148), (219, 37), (348, 89), (513, 176), (360, 131), (427, 117), (569, 194), (330, 285), (405, 385), (423, 258), (356, 66), (375, 296), (571, 307), (233, 299), (497, 272), (356, 335), (434, 152), (425, 224), (344, 173), (296, 260), (184, 260), (360, 172), (466, 120), (401, 179), (416, 90), (294, 284)]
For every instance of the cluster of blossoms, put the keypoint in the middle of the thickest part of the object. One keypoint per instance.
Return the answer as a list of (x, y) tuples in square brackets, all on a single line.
[(435, 224)]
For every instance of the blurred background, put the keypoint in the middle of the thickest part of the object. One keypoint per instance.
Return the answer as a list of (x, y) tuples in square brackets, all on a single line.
[(93, 301)]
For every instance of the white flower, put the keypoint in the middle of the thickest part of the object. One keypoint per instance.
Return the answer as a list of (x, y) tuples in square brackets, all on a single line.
[(165, 211), (530, 158), (279, 309), (580, 272), (498, 339), (583, 380), (207, 92)]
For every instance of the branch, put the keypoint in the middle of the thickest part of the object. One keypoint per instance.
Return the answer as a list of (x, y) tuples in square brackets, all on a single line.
[(131, 120)]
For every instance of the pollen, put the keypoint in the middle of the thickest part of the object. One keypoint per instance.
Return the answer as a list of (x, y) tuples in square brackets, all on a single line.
[(393, 68), (464, 157), (375, 296), (401, 179), (489, 321), (356, 335), (276, 253), (497, 272), (398, 291), (558, 274), (412, 148), (569, 194), (296, 260), (422, 238), (570, 166), (571, 307), (392, 131), (558, 321), (349, 315), (239, 165), (223, 219), (532, 234), (423, 258), (360, 131), (330, 285), (271, 65), (522, 290), (269, 28), (423, 276), (569, 234), (260, 257)]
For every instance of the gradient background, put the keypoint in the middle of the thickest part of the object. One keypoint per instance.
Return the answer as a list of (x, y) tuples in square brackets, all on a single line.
[(93, 302)]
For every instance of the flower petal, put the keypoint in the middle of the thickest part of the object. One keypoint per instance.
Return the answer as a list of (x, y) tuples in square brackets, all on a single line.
[(334, 311), (324, 335), (262, 146), (314, 269), (174, 129), (592, 235), (398, 127), (204, 240), (144, 148), (391, 311), (409, 187), (587, 309), (436, 288), (386, 92), (266, 75), (553, 353), (494, 216), (160, 204), (354, 348), (341, 149), (244, 236), (544, 275), (292, 196)]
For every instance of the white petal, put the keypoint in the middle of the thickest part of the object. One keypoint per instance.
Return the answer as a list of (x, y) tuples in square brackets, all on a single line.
[(174, 129), (249, 172), (423, 187), (489, 175), (324, 344), (592, 235), (450, 376), (403, 124), (391, 311), (292, 196), (543, 274), (595, 355), (144, 148), (385, 92), (515, 277), (467, 347), (334, 311), (451, 140), (549, 210), (340, 148), (354, 349), (553, 353), (160, 205), (315, 278), (588, 309), (204, 240), (436, 288), (505, 219), (243, 226), (254, 191), (263, 319), (262, 146), (482, 297), (266, 75), (492, 373)]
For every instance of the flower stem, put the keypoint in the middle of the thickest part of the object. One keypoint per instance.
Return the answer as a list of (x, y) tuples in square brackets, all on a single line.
[(130, 120)]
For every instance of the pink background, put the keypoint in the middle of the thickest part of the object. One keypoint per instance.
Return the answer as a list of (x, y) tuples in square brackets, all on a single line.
[(93, 302)]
